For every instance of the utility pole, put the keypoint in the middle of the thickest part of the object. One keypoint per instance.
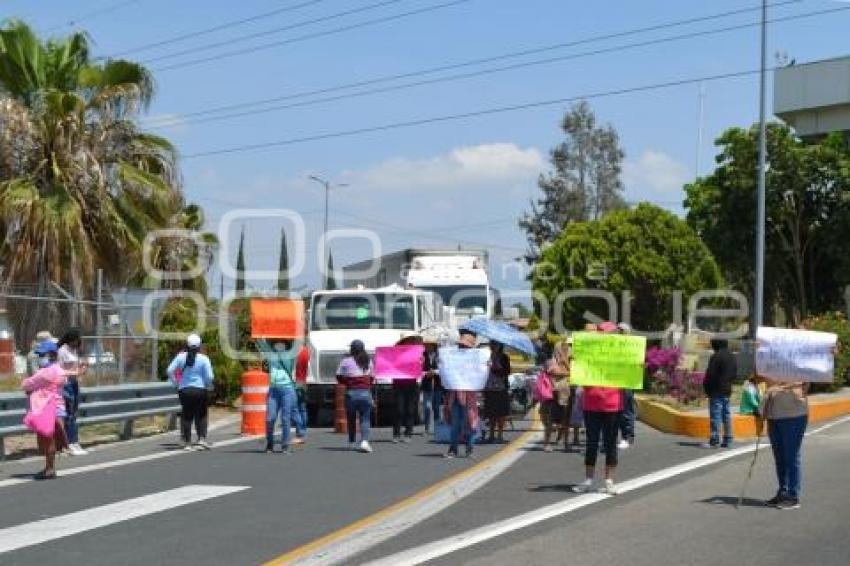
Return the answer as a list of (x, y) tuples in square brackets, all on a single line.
[(700, 129), (758, 307)]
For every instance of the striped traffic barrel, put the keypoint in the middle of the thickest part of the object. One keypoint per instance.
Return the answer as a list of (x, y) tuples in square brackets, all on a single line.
[(340, 419), (255, 389)]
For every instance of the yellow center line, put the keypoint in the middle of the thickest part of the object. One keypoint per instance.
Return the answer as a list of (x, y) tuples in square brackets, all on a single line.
[(399, 506)]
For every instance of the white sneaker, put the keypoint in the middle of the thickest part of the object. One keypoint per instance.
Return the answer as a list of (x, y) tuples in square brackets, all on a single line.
[(623, 444), (584, 486), (188, 447), (202, 444), (76, 450), (609, 488), (364, 447)]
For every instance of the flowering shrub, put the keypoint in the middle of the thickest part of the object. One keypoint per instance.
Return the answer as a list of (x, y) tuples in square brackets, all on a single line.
[(667, 379)]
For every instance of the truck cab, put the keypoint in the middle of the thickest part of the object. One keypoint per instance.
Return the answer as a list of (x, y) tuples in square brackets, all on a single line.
[(378, 317)]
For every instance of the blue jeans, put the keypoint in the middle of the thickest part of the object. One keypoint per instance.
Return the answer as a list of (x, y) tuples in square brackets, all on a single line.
[(627, 417), (299, 413), (786, 439), (460, 423), (432, 405), (358, 402), (718, 410), (71, 396), (281, 400)]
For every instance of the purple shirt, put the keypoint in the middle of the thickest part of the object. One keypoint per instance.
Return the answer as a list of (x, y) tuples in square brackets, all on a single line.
[(352, 376)]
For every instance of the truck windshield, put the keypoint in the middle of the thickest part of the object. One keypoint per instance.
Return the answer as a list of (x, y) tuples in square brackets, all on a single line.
[(354, 312), (466, 299)]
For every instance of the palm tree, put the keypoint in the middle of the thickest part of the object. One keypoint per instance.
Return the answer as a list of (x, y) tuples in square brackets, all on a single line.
[(80, 183)]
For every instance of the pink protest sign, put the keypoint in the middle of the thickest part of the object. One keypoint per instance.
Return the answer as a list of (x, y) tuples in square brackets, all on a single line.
[(398, 362)]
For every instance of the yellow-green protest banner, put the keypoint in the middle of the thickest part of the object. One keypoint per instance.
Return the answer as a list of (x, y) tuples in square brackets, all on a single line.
[(607, 360)]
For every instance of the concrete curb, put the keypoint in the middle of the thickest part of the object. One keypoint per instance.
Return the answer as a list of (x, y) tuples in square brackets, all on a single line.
[(667, 419)]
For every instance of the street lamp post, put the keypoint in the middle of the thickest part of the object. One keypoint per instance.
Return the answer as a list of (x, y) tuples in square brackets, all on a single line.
[(327, 186), (758, 308)]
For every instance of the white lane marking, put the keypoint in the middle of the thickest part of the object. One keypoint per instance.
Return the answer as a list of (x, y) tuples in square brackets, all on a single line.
[(341, 551), (450, 545), (225, 422), (127, 461), (38, 532)]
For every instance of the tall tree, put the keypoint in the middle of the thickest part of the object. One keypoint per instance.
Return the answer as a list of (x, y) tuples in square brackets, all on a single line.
[(808, 218), (80, 183), (240, 263), (330, 274), (283, 264), (584, 183)]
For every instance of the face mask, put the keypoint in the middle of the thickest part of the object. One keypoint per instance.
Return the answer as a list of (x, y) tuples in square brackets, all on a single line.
[(279, 347), (43, 361)]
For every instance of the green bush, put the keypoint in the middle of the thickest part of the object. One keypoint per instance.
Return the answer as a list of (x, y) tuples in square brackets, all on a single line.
[(837, 323)]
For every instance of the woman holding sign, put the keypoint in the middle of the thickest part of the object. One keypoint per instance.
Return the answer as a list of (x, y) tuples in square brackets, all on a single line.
[(602, 412), (462, 407), (786, 408)]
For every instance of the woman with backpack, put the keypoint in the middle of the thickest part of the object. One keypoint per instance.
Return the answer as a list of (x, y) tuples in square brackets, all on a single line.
[(195, 379), (355, 372)]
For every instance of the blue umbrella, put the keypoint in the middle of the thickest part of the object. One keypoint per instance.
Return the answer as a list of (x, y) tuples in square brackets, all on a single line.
[(500, 332)]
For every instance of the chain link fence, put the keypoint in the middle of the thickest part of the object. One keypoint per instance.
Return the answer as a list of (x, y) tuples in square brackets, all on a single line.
[(115, 345)]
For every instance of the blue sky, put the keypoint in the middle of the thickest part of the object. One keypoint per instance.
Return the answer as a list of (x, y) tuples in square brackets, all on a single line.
[(449, 183)]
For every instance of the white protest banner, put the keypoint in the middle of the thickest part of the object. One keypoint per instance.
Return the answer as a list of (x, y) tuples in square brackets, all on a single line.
[(795, 355), (464, 369)]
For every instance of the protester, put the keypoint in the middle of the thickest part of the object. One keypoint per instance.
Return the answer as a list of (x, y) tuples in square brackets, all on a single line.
[(432, 389), (544, 394), (786, 408), (628, 417), (497, 400), (559, 369), (355, 372), (602, 407), (69, 358), (193, 385), (462, 407), (721, 372), (302, 364), (282, 399), (406, 393), (45, 391), (32, 356), (751, 398)]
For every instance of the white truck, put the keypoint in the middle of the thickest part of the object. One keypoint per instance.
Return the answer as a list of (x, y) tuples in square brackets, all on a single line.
[(378, 317), (459, 277)]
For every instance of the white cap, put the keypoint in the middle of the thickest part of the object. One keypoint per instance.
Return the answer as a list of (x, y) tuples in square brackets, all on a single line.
[(193, 341)]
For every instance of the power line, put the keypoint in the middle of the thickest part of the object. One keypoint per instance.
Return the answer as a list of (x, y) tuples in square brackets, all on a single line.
[(219, 27), (307, 37), (94, 13), (479, 61), (255, 35), (514, 66), (466, 115)]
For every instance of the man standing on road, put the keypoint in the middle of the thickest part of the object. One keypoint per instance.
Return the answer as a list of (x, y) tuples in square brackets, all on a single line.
[(722, 370)]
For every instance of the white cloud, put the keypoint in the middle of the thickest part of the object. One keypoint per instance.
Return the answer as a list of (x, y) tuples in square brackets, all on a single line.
[(655, 174), (480, 165)]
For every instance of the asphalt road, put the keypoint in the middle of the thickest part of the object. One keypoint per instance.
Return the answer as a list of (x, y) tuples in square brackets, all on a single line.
[(291, 500)]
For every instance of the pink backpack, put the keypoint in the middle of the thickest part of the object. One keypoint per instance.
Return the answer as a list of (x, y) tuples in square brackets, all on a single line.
[(543, 387)]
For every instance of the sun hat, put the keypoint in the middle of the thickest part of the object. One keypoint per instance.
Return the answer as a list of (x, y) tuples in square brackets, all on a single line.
[(193, 341)]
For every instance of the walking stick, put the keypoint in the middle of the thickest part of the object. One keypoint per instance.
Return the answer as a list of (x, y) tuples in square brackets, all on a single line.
[(760, 422)]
